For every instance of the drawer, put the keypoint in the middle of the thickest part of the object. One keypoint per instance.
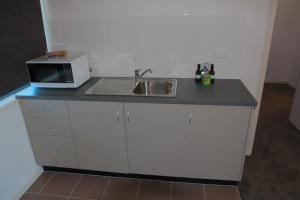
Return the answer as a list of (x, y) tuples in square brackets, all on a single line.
[(44, 108), (54, 159), (52, 143), (48, 126)]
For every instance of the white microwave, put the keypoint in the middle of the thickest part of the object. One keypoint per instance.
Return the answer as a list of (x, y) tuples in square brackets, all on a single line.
[(59, 72)]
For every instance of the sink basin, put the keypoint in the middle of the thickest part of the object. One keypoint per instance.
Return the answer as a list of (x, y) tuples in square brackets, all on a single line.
[(156, 88), (128, 87), (112, 86)]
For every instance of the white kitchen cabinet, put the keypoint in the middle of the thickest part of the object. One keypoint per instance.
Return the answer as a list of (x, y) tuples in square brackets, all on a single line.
[(193, 141), (155, 135), (47, 122), (48, 126), (46, 117), (44, 108), (56, 159), (99, 135), (215, 141), (52, 144)]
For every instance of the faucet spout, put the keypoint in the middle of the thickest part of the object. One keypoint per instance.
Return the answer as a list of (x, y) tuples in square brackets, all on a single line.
[(146, 71), (138, 76)]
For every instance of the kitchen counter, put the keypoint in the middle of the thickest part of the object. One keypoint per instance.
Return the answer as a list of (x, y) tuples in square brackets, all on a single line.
[(229, 92)]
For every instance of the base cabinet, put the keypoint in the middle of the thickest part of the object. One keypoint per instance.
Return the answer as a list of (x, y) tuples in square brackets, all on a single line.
[(193, 141), (155, 135), (215, 138), (48, 125), (99, 135)]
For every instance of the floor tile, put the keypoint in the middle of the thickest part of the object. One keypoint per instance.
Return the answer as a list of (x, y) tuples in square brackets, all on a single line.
[(61, 184), (40, 182), (187, 191), (150, 190), (221, 192), (90, 187), (48, 197), (121, 188), (28, 196)]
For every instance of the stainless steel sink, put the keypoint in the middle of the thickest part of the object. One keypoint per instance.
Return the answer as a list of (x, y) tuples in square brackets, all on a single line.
[(129, 87), (156, 88)]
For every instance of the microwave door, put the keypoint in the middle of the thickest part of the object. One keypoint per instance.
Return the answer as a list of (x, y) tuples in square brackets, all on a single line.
[(47, 73)]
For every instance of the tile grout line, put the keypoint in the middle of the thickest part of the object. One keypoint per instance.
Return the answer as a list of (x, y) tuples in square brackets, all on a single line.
[(65, 197), (31, 192), (239, 194), (53, 195), (106, 188), (74, 187), (171, 190), (42, 188), (137, 190), (48, 181), (204, 191)]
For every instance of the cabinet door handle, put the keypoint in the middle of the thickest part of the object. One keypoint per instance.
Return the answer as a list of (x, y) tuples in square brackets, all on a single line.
[(190, 118), (128, 116), (118, 116)]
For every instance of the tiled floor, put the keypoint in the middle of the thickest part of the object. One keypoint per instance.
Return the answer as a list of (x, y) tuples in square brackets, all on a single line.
[(66, 186)]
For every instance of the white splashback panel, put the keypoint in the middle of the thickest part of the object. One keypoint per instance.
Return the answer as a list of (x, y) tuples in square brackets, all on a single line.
[(169, 36), (170, 45)]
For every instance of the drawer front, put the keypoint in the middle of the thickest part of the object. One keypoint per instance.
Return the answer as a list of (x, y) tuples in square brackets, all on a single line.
[(54, 159), (48, 126), (52, 144), (44, 108)]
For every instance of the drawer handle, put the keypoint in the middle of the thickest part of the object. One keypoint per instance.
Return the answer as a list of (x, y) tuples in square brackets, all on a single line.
[(47, 127), (55, 145), (60, 161)]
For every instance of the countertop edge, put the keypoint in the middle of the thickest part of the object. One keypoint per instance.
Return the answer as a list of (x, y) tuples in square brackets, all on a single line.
[(78, 95)]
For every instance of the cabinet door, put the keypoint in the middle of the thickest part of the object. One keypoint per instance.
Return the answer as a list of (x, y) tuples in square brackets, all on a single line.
[(155, 137), (215, 142), (99, 135)]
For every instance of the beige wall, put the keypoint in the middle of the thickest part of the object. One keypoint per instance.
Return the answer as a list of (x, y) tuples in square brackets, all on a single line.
[(284, 61)]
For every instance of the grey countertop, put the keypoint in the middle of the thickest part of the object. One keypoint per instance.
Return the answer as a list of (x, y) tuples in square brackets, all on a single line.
[(229, 92)]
